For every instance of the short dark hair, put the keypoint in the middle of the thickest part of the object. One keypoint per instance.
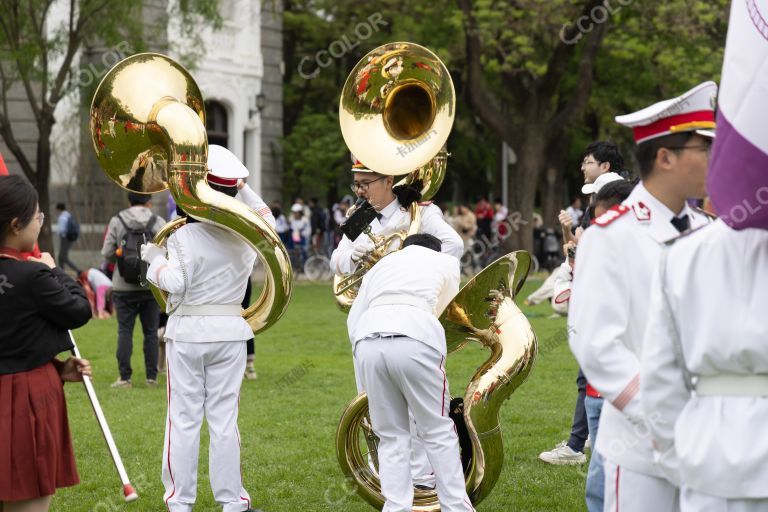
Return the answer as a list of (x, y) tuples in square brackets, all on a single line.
[(606, 151), (645, 152), (61, 206), (134, 198), (614, 193), (18, 200), (424, 240), (230, 191)]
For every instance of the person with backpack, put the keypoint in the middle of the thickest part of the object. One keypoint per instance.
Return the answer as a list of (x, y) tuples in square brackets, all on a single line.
[(69, 232), (126, 232)]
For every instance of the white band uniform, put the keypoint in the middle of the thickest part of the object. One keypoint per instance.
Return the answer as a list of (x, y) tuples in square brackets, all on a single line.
[(209, 310), (732, 385)]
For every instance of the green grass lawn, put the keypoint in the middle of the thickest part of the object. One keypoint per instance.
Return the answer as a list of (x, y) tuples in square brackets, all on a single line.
[(288, 419)]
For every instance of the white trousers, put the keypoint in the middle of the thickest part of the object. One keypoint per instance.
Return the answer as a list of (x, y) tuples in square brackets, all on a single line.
[(203, 380), (629, 491), (401, 374), (421, 469), (694, 501)]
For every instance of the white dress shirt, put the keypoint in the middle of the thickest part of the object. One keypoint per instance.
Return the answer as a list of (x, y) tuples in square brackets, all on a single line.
[(395, 217), (415, 274), (218, 265), (607, 317), (716, 281)]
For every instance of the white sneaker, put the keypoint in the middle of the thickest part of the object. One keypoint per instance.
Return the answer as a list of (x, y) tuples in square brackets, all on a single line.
[(588, 444), (563, 455)]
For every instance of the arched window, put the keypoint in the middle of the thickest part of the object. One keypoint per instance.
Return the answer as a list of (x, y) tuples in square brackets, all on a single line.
[(216, 123)]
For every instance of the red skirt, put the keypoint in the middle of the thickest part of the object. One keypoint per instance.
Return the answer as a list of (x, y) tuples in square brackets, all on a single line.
[(36, 453)]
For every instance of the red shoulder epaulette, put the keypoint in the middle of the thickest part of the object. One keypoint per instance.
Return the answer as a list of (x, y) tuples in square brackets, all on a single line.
[(613, 213)]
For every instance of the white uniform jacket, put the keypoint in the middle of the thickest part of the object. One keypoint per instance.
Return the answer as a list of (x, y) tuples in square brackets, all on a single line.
[(395, 217), (256, 203), (218, 265), (394, 291), (608, 315), (716, 282)]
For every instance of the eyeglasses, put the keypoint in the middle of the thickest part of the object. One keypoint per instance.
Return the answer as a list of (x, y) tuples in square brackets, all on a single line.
[(40, 217), (363, 185), (590, 162)]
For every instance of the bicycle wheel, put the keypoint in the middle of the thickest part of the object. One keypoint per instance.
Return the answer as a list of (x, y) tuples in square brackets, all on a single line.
[(318, 268)]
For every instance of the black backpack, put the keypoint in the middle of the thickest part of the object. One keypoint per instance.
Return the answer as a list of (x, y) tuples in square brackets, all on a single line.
[(128, 257), (73, 229)]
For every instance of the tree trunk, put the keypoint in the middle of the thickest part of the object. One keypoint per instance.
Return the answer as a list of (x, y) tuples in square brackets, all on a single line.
[(45, 240), (522, 189), (552, 193)]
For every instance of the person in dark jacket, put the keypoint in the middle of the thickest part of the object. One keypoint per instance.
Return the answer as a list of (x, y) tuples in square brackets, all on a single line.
[(40, 302)]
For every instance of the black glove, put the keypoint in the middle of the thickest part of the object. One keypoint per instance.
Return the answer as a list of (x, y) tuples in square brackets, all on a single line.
[(408, 194)]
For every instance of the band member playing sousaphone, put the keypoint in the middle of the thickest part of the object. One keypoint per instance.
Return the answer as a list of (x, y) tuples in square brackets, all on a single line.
[(205, 271)]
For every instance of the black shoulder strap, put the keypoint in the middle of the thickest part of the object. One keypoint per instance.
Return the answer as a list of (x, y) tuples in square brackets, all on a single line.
[(151, 222), (123, 222)]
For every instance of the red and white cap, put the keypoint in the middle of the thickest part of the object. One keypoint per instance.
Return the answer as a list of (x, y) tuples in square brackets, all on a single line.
[(224, 168), (691, 111), (358, 166)]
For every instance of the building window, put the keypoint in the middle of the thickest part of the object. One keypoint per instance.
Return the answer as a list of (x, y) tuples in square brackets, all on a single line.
[(216, 123)]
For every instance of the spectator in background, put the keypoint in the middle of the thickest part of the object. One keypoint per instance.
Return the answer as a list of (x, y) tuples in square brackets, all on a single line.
[(39, 303), (282, 226), (305, 211), (101, 286), (500, 214), (484, 215), (300, 230), (465, 223), (318, 222), (600, 157), (575, 211), (130, 299), (340, 210), (68, 235)]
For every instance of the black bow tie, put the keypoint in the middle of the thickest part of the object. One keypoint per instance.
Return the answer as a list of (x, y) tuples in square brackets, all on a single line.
[(379, 216), (681, 223)]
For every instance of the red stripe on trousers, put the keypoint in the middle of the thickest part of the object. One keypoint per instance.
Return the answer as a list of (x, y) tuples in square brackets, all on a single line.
[(442, 403), (168, 387), (618, 470), (237, 431)]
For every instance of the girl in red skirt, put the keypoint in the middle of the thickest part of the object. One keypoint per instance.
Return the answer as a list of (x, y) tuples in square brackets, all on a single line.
[(38, 304)]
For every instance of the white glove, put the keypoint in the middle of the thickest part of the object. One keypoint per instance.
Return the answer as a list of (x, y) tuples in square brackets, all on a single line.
[(362, 246), (149, 252)]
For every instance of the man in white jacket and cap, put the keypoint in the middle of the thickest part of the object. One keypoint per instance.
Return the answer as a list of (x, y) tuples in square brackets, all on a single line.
[(205, 273), (611, 288), (705, 364)]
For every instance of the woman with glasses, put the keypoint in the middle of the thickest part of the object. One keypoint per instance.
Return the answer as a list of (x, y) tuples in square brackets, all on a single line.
[(40, 302), (378, 190)]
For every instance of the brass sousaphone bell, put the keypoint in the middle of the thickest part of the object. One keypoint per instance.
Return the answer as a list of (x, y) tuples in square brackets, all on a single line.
[(147, 125), (396, 112)]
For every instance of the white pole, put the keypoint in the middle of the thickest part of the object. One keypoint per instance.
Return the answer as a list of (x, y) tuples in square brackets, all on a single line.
[(128, 491)]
